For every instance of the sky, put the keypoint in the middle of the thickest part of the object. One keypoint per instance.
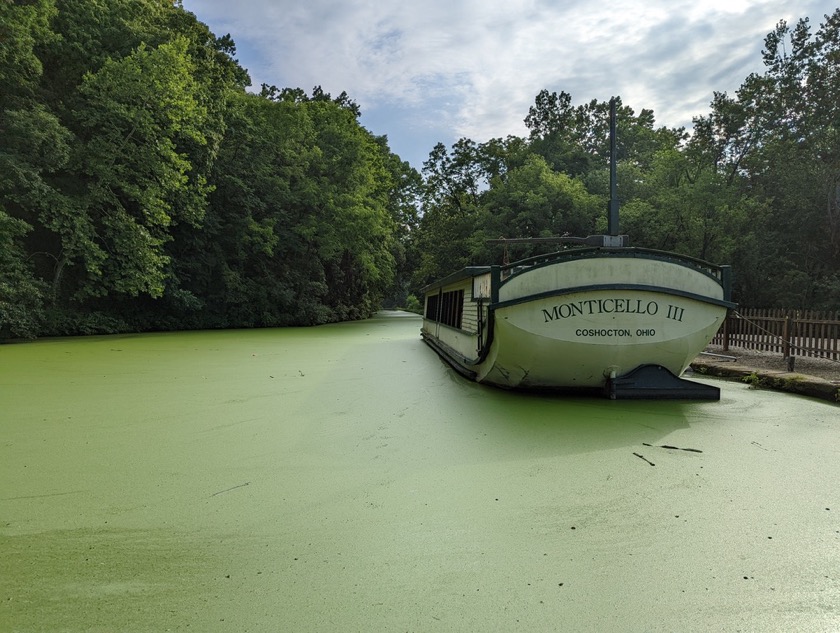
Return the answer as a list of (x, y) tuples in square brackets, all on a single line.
[(429, 71)]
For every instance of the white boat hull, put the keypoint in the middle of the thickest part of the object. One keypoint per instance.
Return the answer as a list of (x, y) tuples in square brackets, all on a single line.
[(578, 322), (535, 347)]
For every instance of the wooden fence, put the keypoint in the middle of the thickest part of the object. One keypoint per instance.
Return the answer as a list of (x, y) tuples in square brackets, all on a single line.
[(788, 332)]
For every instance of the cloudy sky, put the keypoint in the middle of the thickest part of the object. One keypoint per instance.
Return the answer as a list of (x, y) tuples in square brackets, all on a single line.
[(425, 71)]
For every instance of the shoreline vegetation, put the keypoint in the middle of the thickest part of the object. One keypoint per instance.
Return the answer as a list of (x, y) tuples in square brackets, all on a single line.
[(144, 187)]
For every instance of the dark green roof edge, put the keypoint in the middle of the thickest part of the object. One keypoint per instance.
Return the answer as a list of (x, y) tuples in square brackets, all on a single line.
[(464, 273)]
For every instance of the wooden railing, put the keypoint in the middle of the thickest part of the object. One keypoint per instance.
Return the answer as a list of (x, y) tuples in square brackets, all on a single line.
[(788, 332)]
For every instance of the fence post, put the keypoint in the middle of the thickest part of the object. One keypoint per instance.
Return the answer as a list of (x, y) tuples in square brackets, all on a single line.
[(786, 337), (726, 331)]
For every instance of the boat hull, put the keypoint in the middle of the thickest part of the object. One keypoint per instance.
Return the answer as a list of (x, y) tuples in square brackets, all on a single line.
[(579, 322), (591, 337)]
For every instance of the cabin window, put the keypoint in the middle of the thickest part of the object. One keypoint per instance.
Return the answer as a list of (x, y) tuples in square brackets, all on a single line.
[(431, 307), (446, 308)]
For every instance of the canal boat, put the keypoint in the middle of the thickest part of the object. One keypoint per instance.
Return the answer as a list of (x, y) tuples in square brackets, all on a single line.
[(596, 316)]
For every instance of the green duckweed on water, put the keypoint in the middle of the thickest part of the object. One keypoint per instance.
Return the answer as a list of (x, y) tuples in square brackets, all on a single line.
[(342, 478)]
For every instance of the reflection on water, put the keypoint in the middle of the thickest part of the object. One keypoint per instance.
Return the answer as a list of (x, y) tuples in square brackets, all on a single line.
[(558, 425)]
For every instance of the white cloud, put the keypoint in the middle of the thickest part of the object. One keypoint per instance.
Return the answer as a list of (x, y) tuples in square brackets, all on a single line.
[(475, 66)]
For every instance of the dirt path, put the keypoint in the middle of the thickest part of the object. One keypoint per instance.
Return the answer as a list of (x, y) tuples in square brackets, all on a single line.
[(817, 367), (816, 377)]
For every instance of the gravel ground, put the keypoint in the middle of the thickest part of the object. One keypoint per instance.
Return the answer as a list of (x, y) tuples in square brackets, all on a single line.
[(818, 367)]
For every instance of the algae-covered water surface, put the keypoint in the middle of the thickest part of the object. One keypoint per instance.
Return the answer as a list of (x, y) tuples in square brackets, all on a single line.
[(342, 478)]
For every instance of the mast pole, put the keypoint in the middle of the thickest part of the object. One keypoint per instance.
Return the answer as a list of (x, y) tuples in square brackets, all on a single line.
[(613, 208)]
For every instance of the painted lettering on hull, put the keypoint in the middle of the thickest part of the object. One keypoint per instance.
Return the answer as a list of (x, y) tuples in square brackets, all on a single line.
[(602, 332), (590, 307)]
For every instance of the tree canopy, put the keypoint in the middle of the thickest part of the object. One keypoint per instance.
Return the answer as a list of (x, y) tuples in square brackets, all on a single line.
[(142, 186), (756, 183)]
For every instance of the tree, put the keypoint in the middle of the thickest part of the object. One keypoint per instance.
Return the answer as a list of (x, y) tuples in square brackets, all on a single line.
[(777, 142), (534, 201), (453, 185), (32, 142), (136, 111), (681, 208), (119, 120), (350, 221), (575, 139), (558, 133), (21, 293), (300, 228), (128, 113), (404, 204)]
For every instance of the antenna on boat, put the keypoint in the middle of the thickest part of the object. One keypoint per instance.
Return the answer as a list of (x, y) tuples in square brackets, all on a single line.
[(613, 208)]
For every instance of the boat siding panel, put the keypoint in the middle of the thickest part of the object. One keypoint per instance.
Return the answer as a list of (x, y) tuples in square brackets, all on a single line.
[(469, 318), (458, 340)]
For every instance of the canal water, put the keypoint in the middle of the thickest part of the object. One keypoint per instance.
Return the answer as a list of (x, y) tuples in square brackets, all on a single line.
[(342, 478)]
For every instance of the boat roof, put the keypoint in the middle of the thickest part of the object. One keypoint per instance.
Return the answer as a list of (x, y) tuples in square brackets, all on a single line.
[(464, 273)]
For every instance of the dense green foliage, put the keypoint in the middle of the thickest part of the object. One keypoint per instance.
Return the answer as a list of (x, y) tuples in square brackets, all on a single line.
[(142, 187), (756, 185)]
